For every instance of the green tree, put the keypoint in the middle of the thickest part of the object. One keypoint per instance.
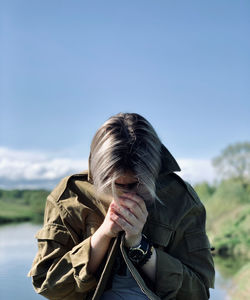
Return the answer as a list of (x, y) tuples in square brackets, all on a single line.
[(234, 162), (204, 190)]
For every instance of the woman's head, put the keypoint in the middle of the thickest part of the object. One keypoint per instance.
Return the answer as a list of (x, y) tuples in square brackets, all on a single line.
[(125, 144)]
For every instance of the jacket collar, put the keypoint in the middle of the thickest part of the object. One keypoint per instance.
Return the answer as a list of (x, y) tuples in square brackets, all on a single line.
[(168, 163)]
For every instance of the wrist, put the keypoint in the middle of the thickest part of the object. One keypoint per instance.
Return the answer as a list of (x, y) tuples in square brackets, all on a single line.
[(133, 241), (102, 234)]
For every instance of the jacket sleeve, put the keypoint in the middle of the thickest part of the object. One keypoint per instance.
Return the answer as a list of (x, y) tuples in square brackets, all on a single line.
[(60, 268), (185, 268)]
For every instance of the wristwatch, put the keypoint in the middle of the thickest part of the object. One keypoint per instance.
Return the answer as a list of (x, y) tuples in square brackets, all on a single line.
[(141, 253)]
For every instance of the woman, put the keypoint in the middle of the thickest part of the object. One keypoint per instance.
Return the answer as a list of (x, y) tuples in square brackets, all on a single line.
[(129, 228)]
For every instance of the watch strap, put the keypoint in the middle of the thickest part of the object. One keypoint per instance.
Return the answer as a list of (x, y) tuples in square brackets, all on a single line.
[(145, 250), (143, 244), (147, 256)]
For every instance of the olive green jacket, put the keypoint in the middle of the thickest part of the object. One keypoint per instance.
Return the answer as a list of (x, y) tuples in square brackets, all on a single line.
[(175, 225)]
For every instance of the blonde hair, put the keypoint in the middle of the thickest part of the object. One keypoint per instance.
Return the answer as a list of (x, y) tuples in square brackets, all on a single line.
[(125, 142)]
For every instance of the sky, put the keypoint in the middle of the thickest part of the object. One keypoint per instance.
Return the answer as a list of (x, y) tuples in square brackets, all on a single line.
[(67, 66)]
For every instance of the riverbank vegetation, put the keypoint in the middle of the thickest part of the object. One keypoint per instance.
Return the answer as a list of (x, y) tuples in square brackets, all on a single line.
[(22, 205), (228, 216)]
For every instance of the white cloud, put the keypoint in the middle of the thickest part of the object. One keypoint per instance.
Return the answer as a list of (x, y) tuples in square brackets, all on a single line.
[(27, 169), (196, 170)]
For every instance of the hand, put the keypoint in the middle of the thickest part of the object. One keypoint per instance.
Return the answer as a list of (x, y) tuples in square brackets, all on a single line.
[(109, 227), (100, 241), (130, 213)]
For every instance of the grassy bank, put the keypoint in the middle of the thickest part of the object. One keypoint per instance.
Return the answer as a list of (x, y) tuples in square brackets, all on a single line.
[(228, 227), (228, 217), (22, 205), (241, 288)]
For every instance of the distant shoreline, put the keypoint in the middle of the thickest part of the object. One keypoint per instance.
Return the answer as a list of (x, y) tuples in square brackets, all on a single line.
[(18, 206)]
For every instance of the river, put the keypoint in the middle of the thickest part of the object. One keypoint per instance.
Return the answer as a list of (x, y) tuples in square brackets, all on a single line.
[(17, 250)]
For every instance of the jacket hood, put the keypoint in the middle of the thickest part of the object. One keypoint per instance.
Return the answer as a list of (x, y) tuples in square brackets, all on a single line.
[(168, 163)]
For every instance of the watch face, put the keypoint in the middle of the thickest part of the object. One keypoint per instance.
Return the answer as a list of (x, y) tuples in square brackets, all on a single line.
[(136, 254)]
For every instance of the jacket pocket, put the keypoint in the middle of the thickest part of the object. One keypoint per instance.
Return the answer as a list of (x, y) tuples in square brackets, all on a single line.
[(54, 232), (52, 239), (159, 234), (197, 241)]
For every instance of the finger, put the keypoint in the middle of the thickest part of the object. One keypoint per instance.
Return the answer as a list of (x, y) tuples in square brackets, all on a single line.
[(127, 215), (134, 208), (137, 199), (115, 227), (127, 227)]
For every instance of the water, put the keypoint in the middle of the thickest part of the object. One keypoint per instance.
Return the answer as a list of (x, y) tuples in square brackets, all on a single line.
[(221, 288), (17, 250)]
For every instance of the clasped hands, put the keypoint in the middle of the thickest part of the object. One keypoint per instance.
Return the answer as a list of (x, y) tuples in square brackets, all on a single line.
[(127, 213)]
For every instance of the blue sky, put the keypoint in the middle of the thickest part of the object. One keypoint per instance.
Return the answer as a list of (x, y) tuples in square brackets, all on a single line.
[(66, 66)]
